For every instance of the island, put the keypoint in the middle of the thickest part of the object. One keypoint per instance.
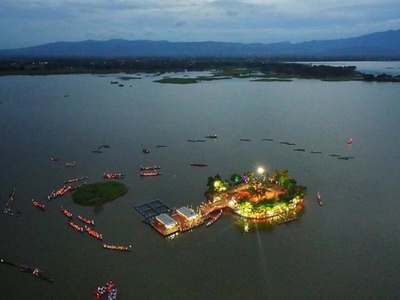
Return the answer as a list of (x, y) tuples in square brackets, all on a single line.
[(99, 193), (257, 198)]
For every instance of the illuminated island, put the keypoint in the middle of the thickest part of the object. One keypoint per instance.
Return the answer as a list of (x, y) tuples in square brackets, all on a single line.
[(272, 200)]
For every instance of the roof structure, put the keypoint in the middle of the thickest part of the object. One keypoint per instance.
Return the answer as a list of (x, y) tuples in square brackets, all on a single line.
[(166, 220), (187, 213)]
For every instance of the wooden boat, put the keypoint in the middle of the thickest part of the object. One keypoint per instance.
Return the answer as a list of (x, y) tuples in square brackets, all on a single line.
[(70, 164), (27, 269), (75, 180), (53, 159), (319, 199), (198, 165), (113, 175), (97, 151), (145, 168), (214, 218), (109, 288), (349, 141), (66, 212), (213, 136), (269, 140), (299, 149), (93, 233), (38, 205), (119, 248), (150, 174), (73, 225), (161, 146), (145, 151), (7, 209), (60, 192), (245, 140), (87, 221), (105, 146)]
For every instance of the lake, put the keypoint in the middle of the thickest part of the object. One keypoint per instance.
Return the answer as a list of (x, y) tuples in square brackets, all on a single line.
[(346, 249)]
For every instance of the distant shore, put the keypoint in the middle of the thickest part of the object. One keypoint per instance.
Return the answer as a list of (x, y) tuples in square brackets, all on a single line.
[(256, 69)]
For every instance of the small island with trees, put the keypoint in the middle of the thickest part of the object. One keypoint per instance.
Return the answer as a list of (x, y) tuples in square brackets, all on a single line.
[(99, 193), (275, 200)]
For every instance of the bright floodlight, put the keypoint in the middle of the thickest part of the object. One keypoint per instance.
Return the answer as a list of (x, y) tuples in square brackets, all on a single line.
[(260, 170)]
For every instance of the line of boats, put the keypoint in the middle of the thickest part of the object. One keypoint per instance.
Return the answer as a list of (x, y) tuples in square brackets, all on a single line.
[(27, 269)]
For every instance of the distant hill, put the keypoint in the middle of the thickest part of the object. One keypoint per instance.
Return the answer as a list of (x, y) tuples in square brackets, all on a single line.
[(380, 45)]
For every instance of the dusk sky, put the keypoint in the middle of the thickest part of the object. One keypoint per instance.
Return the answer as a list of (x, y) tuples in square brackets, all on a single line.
[(26, 23)]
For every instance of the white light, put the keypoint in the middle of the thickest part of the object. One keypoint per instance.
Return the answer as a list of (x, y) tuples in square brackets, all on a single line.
[(260, 170)]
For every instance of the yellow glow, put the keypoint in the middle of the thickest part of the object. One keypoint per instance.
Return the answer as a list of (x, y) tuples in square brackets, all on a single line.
[(260, 170)]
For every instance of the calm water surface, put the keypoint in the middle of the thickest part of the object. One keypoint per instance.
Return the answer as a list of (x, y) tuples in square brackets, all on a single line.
[(346, 249)]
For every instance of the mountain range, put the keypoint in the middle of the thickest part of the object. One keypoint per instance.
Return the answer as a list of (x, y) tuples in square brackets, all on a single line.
[(379, 45)]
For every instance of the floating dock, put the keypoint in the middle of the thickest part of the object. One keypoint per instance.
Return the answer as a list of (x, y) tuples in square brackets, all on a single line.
[(153, 208)]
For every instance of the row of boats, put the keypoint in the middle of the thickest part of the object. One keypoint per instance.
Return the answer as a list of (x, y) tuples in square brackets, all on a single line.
[(90, 231), (27, 269)]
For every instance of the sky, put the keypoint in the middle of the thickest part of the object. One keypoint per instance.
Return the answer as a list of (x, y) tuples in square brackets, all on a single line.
[(25, 23)]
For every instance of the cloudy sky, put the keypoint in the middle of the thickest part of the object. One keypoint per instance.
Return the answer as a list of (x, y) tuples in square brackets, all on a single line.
[(34, 22)]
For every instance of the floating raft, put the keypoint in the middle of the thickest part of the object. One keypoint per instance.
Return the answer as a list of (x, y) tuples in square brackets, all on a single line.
[(152, 208)]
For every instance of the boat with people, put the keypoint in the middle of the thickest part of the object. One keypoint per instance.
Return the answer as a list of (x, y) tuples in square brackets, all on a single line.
[(27, 269), (161, 146), (37, 204), (119, 248), (70, 164), (75, 226), (319, 199), (245, 140), (214, 218), (198, 165), (60, 192), (53, 159), (212, 136), (150, 174), (94, 233), (109, 289), (145, 168), (145, 151), (86, 221), (66, 212), (7, 209), (349, 141), (75, 179), (113, 175)]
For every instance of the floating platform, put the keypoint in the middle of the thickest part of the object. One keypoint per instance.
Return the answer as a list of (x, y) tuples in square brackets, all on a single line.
[(152, 208)]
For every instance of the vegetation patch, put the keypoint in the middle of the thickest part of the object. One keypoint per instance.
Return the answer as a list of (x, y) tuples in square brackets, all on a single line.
[(99, 193)]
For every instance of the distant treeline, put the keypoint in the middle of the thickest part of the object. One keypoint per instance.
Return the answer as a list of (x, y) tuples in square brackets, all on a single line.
[(157, 65)]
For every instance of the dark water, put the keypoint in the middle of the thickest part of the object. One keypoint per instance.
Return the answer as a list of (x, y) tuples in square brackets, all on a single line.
[(346, 249)]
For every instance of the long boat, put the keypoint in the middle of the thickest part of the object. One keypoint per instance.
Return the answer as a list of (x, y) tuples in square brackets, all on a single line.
[(94, 233), (198, 165), (113, 175), (87, 221), (119, 248), (73, 225), (38, 205), (149, 174), (66, 212), (75, 180), (214, 218), (319, 199), (24, 268), (145, 168)]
